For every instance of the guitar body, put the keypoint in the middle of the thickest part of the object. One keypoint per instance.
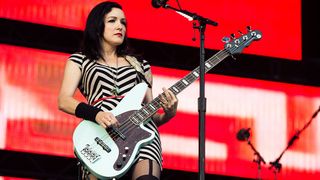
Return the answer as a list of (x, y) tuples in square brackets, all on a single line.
[(108, 156)]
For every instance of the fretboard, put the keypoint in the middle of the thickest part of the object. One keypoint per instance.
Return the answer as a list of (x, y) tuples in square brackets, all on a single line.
[(151, 108)]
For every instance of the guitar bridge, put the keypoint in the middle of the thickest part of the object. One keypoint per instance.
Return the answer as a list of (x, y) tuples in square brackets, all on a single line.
[(90, 154)]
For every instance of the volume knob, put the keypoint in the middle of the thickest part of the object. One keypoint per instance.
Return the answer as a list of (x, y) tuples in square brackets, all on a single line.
[(126, 149), (124, 157), (119, 164)]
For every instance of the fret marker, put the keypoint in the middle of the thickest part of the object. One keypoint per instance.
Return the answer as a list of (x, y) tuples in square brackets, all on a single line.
[(195, 74), (152, 107), (208, 65), (185, 82), (145, 111), (175, 89)]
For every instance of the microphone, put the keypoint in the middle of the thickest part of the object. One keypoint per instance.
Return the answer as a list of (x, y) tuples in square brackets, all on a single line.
[(159, 3), (243, 134)]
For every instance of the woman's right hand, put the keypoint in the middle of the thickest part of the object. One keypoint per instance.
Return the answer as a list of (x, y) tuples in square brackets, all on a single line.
[(106, 119)]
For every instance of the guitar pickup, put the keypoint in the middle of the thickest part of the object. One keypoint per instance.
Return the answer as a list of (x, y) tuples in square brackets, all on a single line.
[(119, 133), (102, 144)]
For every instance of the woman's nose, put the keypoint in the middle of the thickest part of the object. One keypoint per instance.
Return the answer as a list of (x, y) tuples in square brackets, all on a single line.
[(119, 25)]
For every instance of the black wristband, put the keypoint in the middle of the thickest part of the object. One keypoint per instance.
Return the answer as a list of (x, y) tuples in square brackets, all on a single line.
[(86, 111)]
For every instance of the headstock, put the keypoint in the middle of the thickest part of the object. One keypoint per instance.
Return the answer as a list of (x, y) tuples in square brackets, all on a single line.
[(236, 45)]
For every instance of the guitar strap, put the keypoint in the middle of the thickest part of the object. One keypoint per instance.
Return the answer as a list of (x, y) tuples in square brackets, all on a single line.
[(138, 66)]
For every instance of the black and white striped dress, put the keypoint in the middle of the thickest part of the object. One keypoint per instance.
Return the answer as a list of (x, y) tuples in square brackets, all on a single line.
[(96, 83)]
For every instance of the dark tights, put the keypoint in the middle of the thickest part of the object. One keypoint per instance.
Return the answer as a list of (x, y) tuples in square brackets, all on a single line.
[(146, 170), (142, 170), (147, 177)]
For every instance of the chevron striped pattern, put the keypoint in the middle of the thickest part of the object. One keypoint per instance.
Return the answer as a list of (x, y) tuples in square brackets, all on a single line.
[(98, 80)]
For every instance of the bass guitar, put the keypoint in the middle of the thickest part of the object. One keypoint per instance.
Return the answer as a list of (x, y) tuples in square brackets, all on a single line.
[(109, 153)]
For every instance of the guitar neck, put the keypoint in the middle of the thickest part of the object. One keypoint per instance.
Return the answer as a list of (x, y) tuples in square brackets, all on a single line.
[(151, 108), (194, 75)]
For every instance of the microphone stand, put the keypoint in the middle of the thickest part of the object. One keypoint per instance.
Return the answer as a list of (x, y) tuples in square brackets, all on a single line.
[(257, 158), (201, 100), (243, 135), (276, 165)]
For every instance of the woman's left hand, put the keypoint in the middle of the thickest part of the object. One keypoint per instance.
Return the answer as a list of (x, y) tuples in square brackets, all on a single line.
[(169, 103)]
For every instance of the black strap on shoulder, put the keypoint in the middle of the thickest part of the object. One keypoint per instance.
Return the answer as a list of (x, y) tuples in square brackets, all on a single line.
[(144, 78)]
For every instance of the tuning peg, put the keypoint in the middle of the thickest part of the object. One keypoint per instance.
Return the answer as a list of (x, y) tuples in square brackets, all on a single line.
[(249, 28), (225, 39), (240, 33), (233, 36)]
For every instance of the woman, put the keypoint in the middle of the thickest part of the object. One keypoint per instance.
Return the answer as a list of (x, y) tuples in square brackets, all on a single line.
[(104, 72)]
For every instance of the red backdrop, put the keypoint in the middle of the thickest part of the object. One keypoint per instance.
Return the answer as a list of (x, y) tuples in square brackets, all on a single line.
[(31, 121), (279, 21), (30, 80)]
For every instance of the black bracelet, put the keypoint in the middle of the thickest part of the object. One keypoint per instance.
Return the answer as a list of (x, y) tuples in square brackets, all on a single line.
[(86, 111)]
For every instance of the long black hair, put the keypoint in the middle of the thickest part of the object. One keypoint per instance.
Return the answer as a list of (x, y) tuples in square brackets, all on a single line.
[(93, 33)]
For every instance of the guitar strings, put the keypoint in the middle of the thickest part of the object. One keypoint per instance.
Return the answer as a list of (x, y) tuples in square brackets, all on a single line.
[(129, 123), (125, 129), (223, 53), (127, 126), (132, 126), (178, 85)]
